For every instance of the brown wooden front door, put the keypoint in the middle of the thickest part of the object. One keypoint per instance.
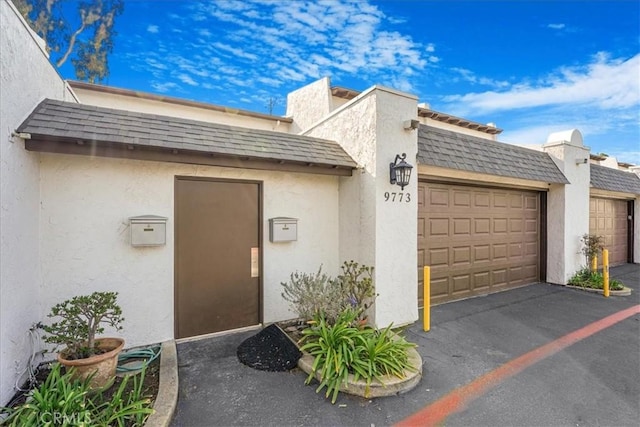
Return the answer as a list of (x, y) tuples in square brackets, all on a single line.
[(217, 250)]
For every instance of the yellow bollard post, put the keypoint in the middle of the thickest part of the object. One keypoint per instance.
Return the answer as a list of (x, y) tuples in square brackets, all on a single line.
[(426, 309), (594, 263), (605, 272)]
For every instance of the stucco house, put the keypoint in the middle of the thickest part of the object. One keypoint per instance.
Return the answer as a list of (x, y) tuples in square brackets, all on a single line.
[(236, 201)]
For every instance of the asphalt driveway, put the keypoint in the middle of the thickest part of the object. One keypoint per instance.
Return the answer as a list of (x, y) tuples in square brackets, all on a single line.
[(580, 370)]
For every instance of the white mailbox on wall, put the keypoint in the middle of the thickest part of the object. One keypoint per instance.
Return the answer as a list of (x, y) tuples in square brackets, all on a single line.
[(282, 229), (148, 230)]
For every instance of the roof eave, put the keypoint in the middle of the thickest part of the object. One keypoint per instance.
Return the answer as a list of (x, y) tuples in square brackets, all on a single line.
[(132, 151)]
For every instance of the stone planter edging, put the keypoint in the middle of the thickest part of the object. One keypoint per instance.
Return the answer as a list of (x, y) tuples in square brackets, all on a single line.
[(621, 293)]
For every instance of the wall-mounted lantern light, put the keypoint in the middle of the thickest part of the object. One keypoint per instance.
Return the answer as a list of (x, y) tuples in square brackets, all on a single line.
[(400, 172)]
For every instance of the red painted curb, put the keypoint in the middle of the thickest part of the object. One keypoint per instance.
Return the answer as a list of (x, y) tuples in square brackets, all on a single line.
[(437, 412)]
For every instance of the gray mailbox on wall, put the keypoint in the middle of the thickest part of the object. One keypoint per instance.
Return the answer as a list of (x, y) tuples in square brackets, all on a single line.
[(148, 230), (282, 229)]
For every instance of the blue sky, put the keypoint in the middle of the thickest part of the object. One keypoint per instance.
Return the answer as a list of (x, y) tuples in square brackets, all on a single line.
[(531, 67)]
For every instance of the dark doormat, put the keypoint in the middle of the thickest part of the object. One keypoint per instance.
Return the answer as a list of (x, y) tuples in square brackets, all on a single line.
[(269, 350)]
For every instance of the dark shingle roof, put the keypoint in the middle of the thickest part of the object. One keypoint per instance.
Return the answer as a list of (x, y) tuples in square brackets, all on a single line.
[(453, 150), (65, 121), (604, 178)]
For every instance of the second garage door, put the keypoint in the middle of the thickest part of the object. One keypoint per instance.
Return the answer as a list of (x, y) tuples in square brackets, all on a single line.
[(477, 240), (608, 218)]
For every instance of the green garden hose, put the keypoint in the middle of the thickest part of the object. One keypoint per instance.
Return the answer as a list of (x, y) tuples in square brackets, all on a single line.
[(145, 355)]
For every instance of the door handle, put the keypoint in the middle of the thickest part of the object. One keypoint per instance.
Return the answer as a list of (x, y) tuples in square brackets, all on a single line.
[(255, 262)]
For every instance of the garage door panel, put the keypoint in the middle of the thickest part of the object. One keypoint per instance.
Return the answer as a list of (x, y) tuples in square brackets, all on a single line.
[(461, 199), (481, 253), (516, 225), (481, 226), (499, 252), (461, 283), (462, 227), (516, 201), (499, 200), (531, 203), (438, 227), (531, 226), (461, 256), (438, 257), (608, 218), (515, 250), (499, 277), (478, 240), (439, 288), (500, 225), (481, 280), (481, 200), (438, 197)]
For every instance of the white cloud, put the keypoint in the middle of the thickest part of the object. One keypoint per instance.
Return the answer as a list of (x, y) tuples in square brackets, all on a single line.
[(270, 43), (185, 78), (164, 87), (470, 77), (603, 83), (556, 26)]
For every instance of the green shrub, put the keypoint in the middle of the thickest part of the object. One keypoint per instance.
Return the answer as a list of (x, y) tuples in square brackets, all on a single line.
[(356, 282), (592, 245), (586, 278), (81, 319), (310, 294), (62, 400), (314, 294), (342, 348), (59, 396)]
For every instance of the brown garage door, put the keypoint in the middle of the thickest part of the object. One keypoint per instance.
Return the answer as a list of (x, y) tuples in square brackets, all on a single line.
[(608, 218), (476, 240)]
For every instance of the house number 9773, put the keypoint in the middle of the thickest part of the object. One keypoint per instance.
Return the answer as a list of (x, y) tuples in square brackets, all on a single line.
[(397, 197)]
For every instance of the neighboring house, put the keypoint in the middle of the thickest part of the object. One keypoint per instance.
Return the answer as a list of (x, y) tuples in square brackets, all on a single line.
[(222, 190)]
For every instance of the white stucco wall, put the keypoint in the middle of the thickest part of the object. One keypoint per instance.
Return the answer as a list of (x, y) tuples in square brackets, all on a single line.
[(374, 231), (153, 106), (26, 77), (85, 238), (567, 206), (309, 104)]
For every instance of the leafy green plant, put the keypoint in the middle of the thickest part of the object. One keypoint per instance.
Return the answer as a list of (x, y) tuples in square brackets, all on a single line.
[(334, 348), (586, 278), (60, 396), (383, 354), (82, 318), (592, 245), (124, 408), (341, 349), (64, 400)]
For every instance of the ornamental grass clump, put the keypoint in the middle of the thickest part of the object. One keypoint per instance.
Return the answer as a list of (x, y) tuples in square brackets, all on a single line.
[(342, 348), (65, 400)]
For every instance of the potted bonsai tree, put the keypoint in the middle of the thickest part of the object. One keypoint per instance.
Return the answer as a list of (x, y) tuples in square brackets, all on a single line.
[(82, 318)]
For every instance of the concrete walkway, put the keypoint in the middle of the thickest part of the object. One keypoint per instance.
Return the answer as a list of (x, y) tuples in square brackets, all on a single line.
[(594, 381)]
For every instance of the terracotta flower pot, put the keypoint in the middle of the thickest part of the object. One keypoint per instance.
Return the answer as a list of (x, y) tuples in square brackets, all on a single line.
[(104, 365)]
